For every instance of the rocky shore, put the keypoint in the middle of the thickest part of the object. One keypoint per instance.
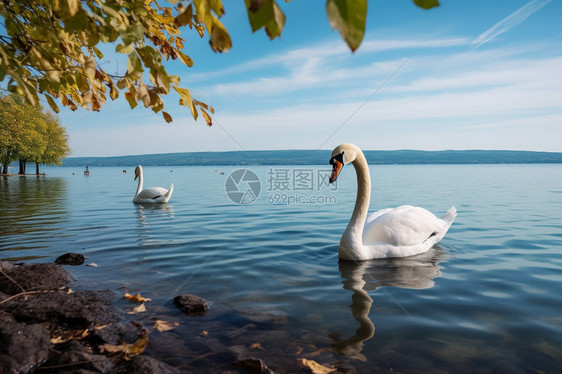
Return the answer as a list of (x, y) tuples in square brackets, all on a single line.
[(46, 327)]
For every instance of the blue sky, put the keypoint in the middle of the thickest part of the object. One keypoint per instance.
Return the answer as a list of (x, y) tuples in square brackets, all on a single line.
[(466, 75)]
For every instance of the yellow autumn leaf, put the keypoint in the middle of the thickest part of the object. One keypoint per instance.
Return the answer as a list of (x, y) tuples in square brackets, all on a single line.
[(80, 334), (130, 349), (207, 117), (314, 366), (136, 298), (204, 333), (138, 309), (167, 117), (164, 325), (257, 346)]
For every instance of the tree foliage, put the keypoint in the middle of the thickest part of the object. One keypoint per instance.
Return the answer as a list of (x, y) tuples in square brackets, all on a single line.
[(51, 49), (29, 134)]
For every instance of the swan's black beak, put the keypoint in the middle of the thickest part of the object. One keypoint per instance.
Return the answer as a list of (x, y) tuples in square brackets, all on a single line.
[(337, 165)]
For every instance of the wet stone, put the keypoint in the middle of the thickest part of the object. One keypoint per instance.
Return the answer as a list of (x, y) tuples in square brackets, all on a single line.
[(70, 258), (34, 277), (191, 304), (23, 346), (253, 366)]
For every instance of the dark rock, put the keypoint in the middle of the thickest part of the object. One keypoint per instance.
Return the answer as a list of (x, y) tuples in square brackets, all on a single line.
[(118, 333), (253, 366), (146, 365), (191, 304), (43, 307), (70, 258), (34, 277), (73, 310), (79, 359), (23, 346)]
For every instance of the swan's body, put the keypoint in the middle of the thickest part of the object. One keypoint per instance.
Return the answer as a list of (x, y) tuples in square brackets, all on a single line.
[(151, 195), (395, 232)]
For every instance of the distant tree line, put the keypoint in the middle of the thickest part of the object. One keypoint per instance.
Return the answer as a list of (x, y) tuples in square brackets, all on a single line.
[(29, 134)]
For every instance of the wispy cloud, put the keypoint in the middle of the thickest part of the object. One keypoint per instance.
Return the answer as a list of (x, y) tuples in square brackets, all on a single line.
[(509, 22), (328, 51)]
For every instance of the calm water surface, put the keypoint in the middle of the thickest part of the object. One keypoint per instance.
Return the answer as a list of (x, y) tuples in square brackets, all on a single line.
[(486, 300)]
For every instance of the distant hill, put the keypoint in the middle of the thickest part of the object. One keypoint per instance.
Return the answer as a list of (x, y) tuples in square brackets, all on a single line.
[(318, 157)]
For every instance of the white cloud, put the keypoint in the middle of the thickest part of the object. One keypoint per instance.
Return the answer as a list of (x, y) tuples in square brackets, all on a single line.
[(509, 22)]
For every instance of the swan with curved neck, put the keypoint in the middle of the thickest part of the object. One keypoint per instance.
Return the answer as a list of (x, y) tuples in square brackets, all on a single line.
[(395, 232), (151, 195)]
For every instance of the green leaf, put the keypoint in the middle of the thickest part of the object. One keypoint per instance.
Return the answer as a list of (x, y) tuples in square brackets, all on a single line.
[(348, 17), (267, 14), (275, 26), (52, 104), (67, 8), (134, 66), (125, 49), (426, 4), (185, 17), (80, 21)]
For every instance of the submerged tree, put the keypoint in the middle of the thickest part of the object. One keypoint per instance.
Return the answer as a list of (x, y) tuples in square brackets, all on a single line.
[(29, 134), (51, 47)]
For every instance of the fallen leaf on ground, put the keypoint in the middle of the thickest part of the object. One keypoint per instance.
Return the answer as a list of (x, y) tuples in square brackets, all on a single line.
[(80, 334), (204, 333), (164, 325), (314, 366), (129, 349), (138, 309), (136, 298), (257, 346)]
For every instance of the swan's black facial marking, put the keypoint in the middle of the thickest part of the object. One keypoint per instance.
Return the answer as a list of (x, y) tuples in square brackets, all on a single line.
[(337, 165), (338, 158)]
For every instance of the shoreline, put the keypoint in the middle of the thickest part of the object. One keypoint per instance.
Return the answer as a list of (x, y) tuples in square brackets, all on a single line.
[(47, 327)]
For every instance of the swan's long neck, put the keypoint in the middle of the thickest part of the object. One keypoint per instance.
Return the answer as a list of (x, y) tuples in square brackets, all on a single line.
[(352, 239), (139, 187)]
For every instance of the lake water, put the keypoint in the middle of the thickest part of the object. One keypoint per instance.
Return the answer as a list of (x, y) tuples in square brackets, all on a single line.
[(486, 300)]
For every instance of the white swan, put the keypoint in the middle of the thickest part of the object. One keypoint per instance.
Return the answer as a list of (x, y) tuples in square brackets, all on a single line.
[(151, 195), (395, 232)]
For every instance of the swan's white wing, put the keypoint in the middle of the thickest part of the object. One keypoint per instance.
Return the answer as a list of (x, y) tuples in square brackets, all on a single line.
[(152, 193), (403, 226)]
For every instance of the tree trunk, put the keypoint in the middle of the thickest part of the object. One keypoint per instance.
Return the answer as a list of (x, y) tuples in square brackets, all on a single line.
[(22, 167), (5, 168), (36, 168)]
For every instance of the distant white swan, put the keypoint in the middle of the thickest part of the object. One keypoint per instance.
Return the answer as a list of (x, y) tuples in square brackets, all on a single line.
[(394, 232), (151, 195)]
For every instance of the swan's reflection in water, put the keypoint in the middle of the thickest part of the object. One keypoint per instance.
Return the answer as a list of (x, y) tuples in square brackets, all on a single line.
[(144, 211), (416, 272), (150, 217)]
